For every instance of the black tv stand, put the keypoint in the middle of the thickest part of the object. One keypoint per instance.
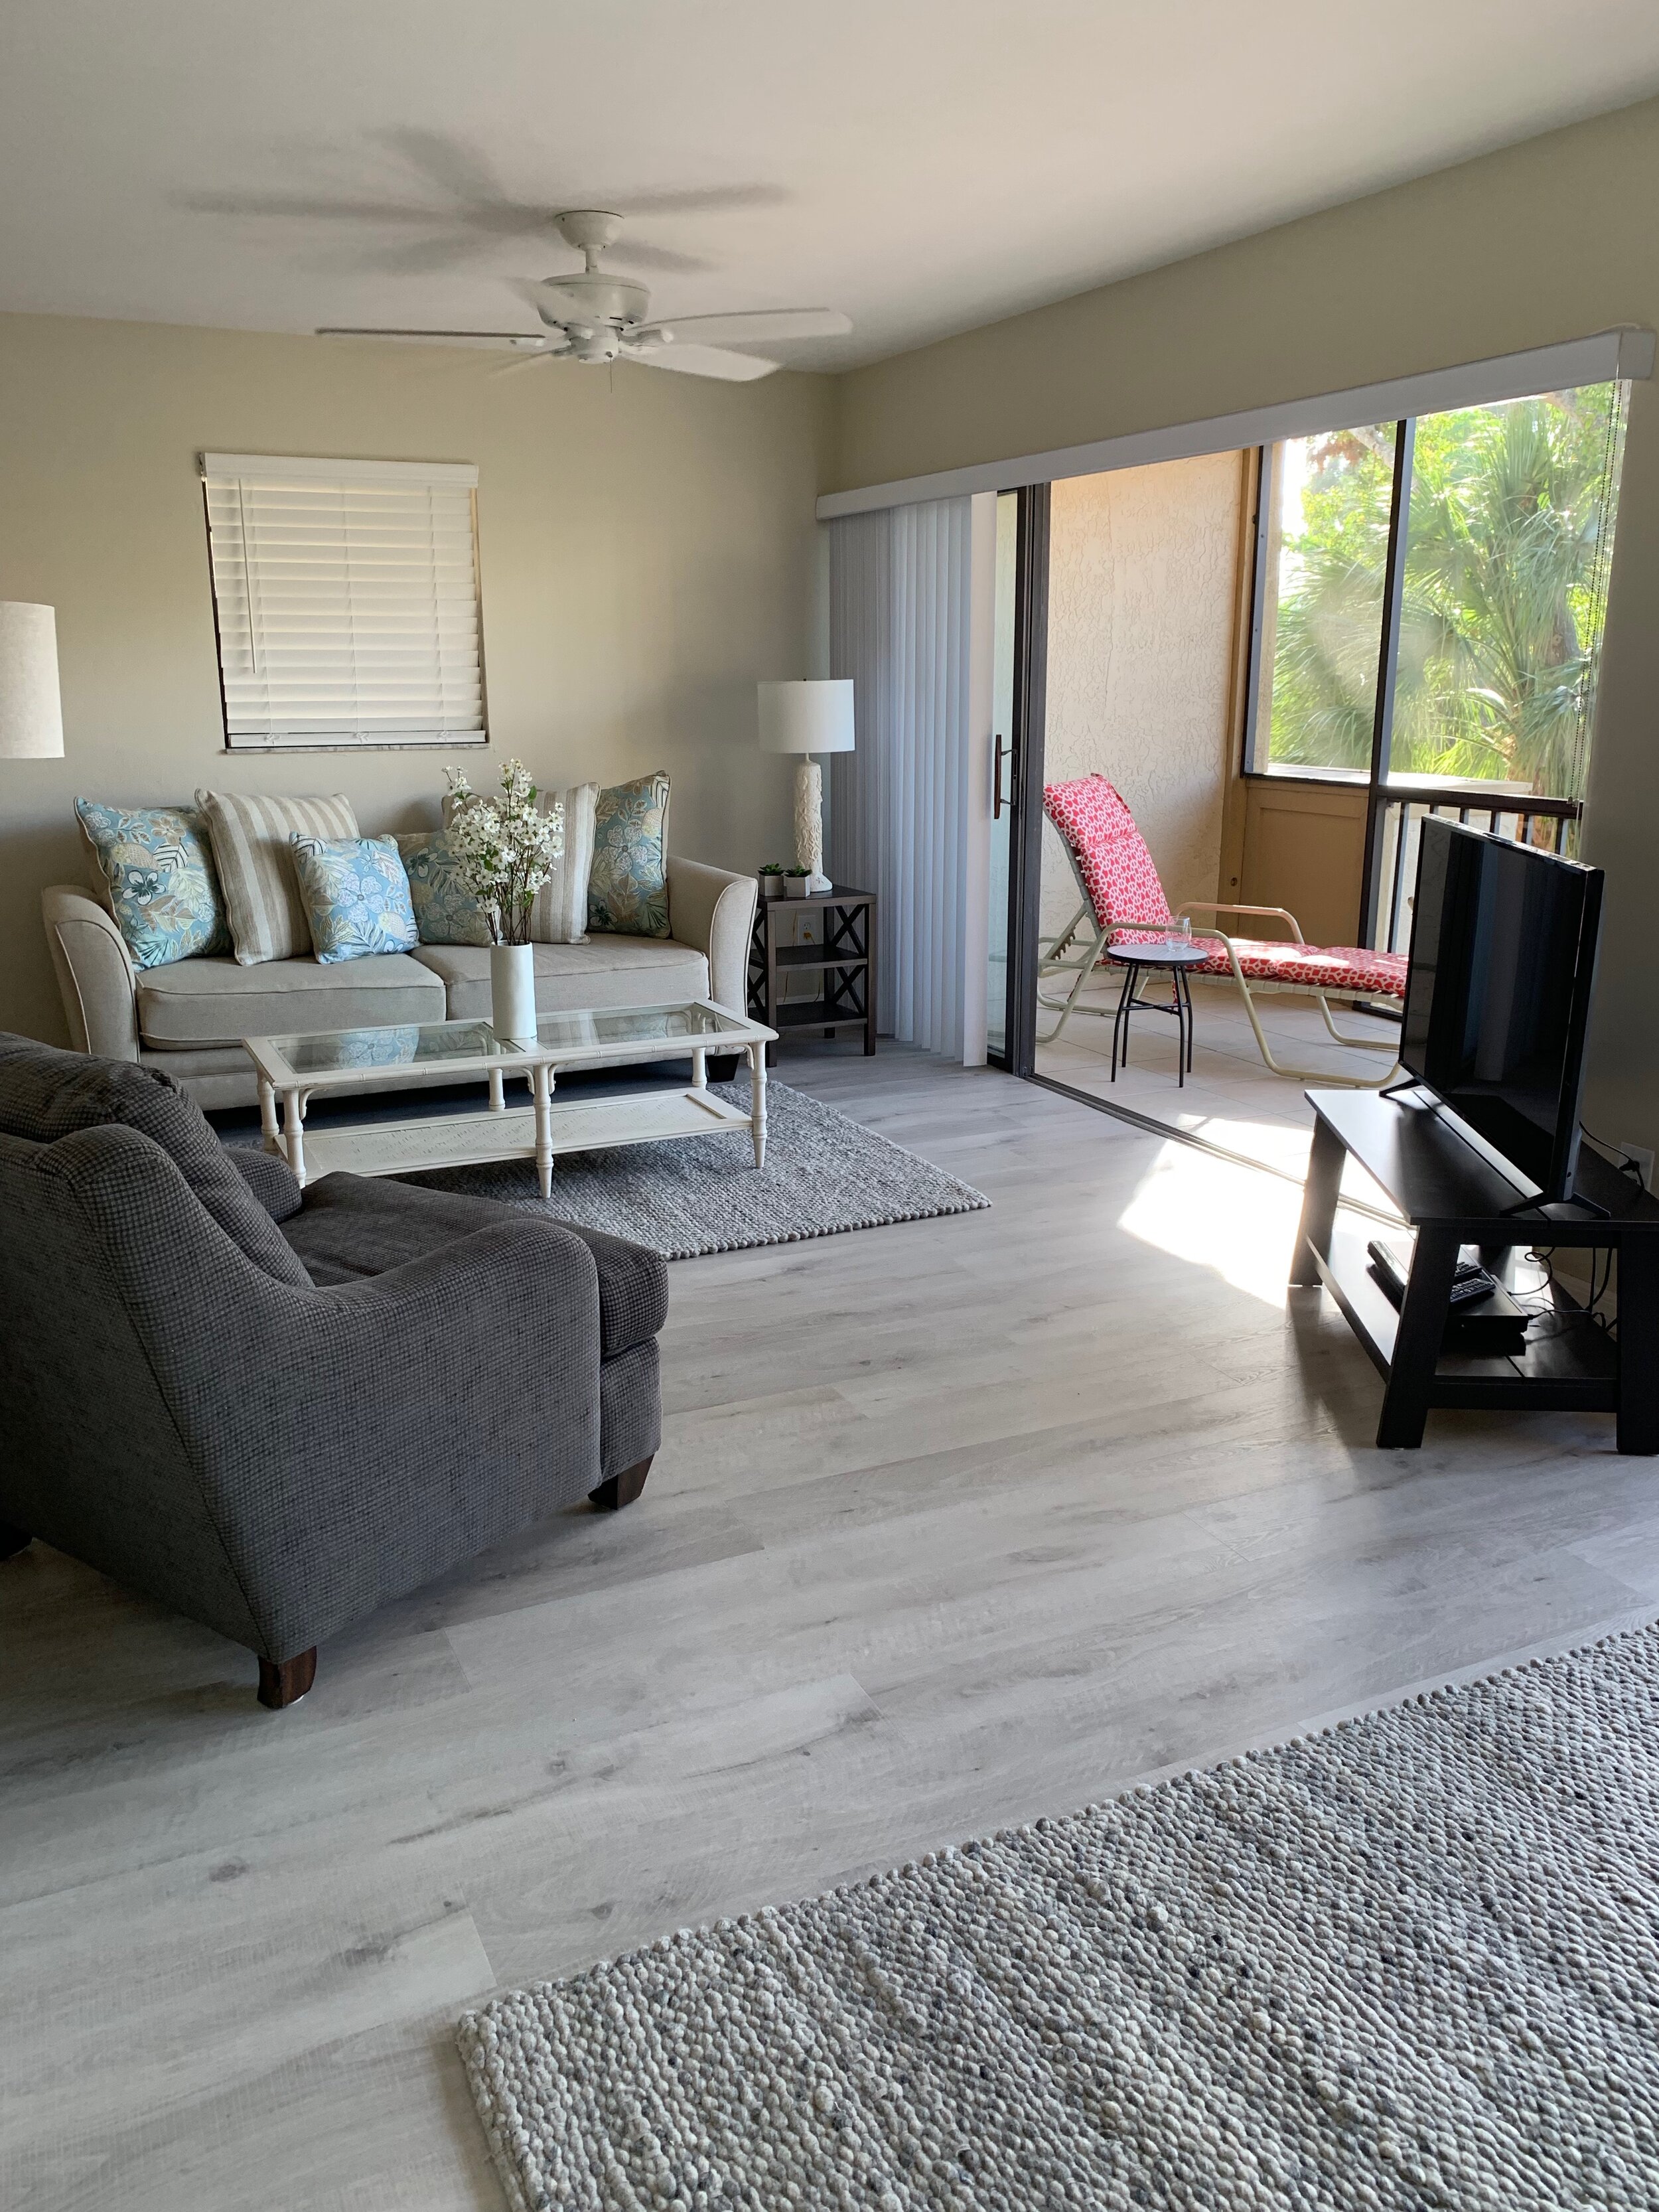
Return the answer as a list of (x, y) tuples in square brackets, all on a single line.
[(1452, 1196)]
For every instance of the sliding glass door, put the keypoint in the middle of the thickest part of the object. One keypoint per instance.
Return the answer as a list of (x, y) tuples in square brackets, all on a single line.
[(1425, 601)]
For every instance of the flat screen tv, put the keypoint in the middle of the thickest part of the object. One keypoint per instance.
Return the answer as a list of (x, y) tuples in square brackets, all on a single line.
[(1498, 995)]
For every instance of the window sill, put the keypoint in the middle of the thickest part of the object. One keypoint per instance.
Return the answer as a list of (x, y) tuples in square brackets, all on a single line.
[(1345, 778)]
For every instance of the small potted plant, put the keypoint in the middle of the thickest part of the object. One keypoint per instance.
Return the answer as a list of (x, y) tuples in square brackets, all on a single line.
[(504, 852), (771, 880), (797, 882)]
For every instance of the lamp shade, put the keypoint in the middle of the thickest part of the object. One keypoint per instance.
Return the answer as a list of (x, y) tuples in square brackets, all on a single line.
[(31, 716), (807, 717)]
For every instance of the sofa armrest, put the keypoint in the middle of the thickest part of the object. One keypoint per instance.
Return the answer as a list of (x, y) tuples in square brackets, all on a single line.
[(349, 1443), (271, 1179), (95, 972), (407, 1422), (712, 910)]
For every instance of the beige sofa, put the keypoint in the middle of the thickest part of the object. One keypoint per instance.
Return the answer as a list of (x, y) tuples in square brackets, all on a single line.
[(188, 1018)]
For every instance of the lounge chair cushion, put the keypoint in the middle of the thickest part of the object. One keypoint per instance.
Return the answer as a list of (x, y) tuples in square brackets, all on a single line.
[(1117, 870), (1347, 969)]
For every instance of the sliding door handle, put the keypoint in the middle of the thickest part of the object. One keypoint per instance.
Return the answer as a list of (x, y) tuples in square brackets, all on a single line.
[(1000, 800)]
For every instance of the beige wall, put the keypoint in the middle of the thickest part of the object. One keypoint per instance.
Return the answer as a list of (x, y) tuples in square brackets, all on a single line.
[(1142, 591), (1552, 240), (647, 552)]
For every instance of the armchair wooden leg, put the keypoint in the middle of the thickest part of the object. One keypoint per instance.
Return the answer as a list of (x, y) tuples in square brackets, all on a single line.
[(621, 1489), (13, 1540), (285, 1681)]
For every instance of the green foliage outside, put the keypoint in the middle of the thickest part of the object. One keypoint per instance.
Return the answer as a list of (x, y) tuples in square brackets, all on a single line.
[(1501, 621)]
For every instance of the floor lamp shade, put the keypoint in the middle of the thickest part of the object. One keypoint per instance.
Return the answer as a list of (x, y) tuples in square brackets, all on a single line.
[(31, 715), (808, 717)]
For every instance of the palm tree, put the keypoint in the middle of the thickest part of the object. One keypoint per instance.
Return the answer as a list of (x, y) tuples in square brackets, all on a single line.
[(1506, 553), (1501, 614)]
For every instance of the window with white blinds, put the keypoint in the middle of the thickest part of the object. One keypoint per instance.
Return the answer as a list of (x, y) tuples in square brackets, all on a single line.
[(347, 599)]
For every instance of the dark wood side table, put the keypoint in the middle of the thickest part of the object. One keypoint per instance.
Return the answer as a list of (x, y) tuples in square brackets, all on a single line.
[(843, 961), (1452, 1195)]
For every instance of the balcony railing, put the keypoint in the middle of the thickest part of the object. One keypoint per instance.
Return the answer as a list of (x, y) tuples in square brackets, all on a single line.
[(1402, 809)]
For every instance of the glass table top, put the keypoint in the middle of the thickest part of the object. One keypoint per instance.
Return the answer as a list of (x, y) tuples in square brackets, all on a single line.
[(433, 1044), (403, 1044), (632, 1025)]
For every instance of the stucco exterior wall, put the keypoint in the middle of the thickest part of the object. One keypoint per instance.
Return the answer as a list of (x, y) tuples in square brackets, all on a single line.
[(1141, 597)]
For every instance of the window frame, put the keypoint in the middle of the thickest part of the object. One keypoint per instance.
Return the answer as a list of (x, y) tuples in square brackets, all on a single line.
[(1381, 880), (1376, 774), (1365, 779)]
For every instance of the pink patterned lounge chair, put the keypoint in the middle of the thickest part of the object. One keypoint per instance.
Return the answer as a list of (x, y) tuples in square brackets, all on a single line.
[(1123, 897)]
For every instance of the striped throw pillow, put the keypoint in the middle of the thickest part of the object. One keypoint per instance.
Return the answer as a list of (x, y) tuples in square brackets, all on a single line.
[(255, 862), (558, 914)]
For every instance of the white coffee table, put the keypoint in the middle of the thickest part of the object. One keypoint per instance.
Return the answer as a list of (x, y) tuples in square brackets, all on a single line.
[(296, 1068)]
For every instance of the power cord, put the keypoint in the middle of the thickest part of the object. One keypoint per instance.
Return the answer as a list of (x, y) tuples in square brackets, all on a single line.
[(1617, 1156), (1553, 1302)]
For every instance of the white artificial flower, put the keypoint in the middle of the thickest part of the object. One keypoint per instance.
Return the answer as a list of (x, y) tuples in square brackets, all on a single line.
[(504, 847)]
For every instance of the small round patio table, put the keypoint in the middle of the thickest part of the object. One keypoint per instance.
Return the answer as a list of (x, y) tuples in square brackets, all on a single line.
[(1178, 956)]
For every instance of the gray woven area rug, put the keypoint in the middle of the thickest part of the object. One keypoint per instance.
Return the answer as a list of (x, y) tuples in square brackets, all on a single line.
[(1412, 1962), (823, 1173)]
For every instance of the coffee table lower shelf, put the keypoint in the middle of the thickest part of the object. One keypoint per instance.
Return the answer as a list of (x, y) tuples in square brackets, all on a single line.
[(454, 1140)]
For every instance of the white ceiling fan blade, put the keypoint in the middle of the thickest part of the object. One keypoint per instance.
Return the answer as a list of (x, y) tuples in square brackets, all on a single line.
[(757, 328), (702, 360), (530, 342)]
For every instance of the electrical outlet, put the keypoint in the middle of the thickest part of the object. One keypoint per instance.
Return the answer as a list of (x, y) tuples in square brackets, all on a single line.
[(1643, 1156)]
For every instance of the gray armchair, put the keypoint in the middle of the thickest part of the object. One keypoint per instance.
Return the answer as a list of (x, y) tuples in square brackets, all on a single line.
[(274, 1411)]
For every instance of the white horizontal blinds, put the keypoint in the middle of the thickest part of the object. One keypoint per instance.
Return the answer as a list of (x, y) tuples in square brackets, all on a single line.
[(347, 598)]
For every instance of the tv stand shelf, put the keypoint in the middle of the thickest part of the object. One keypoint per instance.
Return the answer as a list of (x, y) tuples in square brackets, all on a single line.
[(1453, 1196)]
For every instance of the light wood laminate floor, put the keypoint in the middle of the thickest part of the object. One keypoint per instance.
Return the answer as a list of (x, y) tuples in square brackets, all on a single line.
[(954, 1523)]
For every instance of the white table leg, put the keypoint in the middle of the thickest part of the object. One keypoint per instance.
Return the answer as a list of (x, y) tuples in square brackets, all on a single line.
[(699, 1069), (541, 1089), (497, 1093), (293, 1114), (757, 1101), (268, 1125)]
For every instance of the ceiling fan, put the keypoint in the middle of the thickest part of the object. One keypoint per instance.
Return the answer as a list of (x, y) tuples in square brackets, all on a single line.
[(597, 318)]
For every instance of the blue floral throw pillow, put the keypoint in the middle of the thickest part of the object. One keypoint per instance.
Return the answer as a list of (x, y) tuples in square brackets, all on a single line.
[(445, 912), (163, 890), (628, 884), (355, 896)]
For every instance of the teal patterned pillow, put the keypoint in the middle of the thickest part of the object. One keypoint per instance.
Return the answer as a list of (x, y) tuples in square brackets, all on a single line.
[(445, 912), (628, 884), (355, 896), (163, 891)]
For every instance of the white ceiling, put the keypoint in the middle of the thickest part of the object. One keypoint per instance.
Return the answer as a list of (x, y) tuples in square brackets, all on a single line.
[(926, 165)]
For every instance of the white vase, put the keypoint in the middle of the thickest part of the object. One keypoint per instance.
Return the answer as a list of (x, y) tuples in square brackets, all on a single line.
[(513, 992)]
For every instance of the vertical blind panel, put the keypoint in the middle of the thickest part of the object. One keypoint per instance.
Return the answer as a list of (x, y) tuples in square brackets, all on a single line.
[(348, 611), (900, 614)]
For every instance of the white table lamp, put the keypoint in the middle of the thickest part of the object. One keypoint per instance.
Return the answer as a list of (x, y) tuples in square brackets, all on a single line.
[(808, 717), (30, 715)]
